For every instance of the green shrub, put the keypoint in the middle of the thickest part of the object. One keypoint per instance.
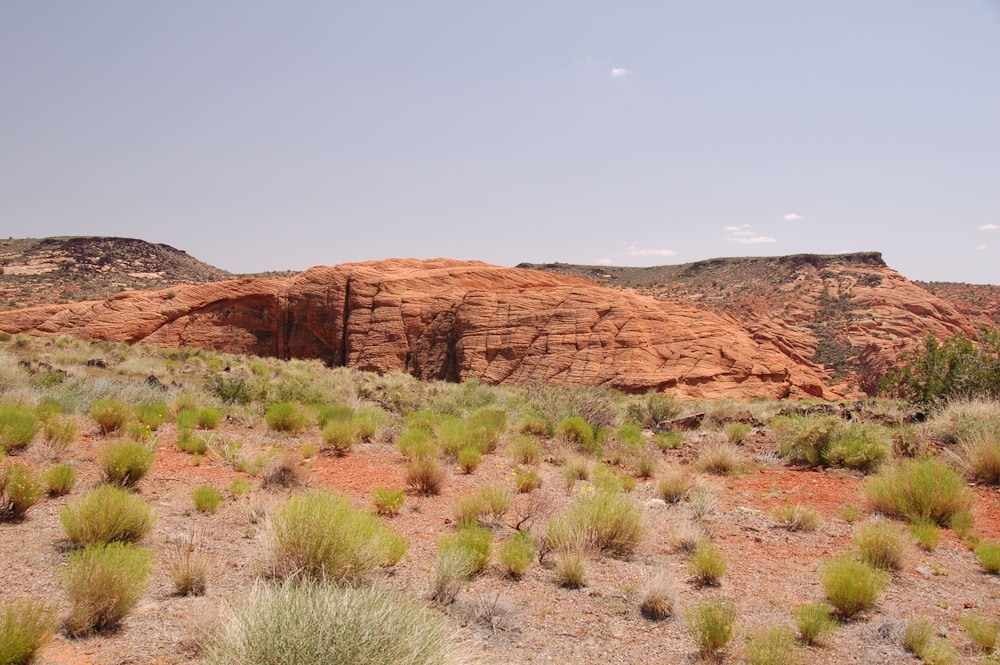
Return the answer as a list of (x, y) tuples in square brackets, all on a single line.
[(206, 498), (487, 502), (452, 569), (60, 479), (706, 564), (285, 417), (110, 414), (208, 417), (536, 426), (918, 639), (812, 621), (231, 389), (738, 432), (326, 413), (851, 586), (982, 632), (988, 553), (796, 517), (107, 513), (472, 542), (711, 624), (416, 443), (18, 426), (517, 554), (927, 535), (59, 431), (575, 468), (104, 581), (313, 624), (772, 646), (860, 446), (882, 544), (320, 535), (424, 475), (956, 368), (804, 439), (367, 420), (339, 436), (152, 414), (20, 489), (655, 409), (630, 435), (388, 501), (240, 486), (668, 440), (186, 418), (923, 490), (125, 462), (604, 522), (469, 459), (525, 479), (606, 478), (577, 430), (25, 627)]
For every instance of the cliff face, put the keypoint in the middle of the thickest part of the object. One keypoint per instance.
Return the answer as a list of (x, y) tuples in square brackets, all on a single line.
[(452, 320)]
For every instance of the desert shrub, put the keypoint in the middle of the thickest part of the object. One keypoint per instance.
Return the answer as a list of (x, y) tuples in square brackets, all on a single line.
[(927, 534), (208, 417), (706, 564), (339, 436), (923, 490), (653, 410), (721, 459), (673, 485), (415, 443), (59, 430), (659, 600), (487, 502), (525, 450), (285, 417), (711, 624), (231, 389), (186, 418), (424, 475), (59, 479), (367, 420), (812, 621), (326, 413), (20, 489), (772, 646), (804, 439), (956, 368), (572, 570), (851, 586), (630, 435), (517, 554), (240, 486), (957, 420), (701, 500), (388, 501), (486, 427), (645, 466), (314, 624), (918, 639), (980, 454), (469, 459), (597, 406), (860, 446), (452, 569), (282, 471), (525, 479), (25, 627), (982, 632), (125, 462), (320, 535), (189, 443), (575, 468), (152, 414), (536, 426), (109, 413), (105, 514), (472, 542), (206, 498), (882, 544), (104, 581), (738, 432), (18, 426), (576, 430), (606, 478), (988, 554), (668, 440), (187, 566), (605, 522), (796, 517)]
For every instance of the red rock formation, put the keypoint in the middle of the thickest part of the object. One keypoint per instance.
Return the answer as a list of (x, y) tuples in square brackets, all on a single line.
[(446, 319)]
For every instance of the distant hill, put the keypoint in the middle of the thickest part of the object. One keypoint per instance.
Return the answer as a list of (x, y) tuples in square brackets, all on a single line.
[(40, 271)]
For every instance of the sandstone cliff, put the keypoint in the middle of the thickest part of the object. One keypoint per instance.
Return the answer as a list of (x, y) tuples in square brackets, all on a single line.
[(445, 319)]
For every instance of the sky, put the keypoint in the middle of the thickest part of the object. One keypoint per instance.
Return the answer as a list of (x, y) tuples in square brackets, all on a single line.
[(281, 135)]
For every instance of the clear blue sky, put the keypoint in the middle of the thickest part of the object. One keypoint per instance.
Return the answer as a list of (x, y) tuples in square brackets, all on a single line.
[(281, 135)]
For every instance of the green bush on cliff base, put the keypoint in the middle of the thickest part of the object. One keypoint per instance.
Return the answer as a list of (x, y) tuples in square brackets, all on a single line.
[(958, 367)]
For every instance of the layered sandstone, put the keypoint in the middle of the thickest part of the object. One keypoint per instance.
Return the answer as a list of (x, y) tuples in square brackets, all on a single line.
[(445, 319)]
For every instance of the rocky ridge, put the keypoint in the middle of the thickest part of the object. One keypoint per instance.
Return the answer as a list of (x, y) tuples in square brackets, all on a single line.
[(445, 319)]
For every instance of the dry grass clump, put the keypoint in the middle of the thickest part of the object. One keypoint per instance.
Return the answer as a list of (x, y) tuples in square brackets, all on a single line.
[(20, 489), (110, 414), (706, 564), (306, 623), (813, 620), (982, 632), (796, 517), (488, 503), (187, 565), (104, 581), (673, 485), (851, 586), (882, 544), (919, 490), (284, 471), (738, 432), (424, 474), (980, 454), (711, 623), (918, 639), (320, 535), (60, 479), (660, 599), (960, 419), (721, 459), (107, 513), (25, 627), (572, 569), (602, 521), (125, 463), (772, 646)]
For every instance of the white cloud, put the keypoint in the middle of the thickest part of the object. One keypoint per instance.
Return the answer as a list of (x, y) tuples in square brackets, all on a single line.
[(980, 248), (793, 217), (644, 251), (745, 234), (620, 72), (989, 227)]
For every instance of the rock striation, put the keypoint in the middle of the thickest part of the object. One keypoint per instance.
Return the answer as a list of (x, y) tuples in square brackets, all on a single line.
[(446, 319)]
